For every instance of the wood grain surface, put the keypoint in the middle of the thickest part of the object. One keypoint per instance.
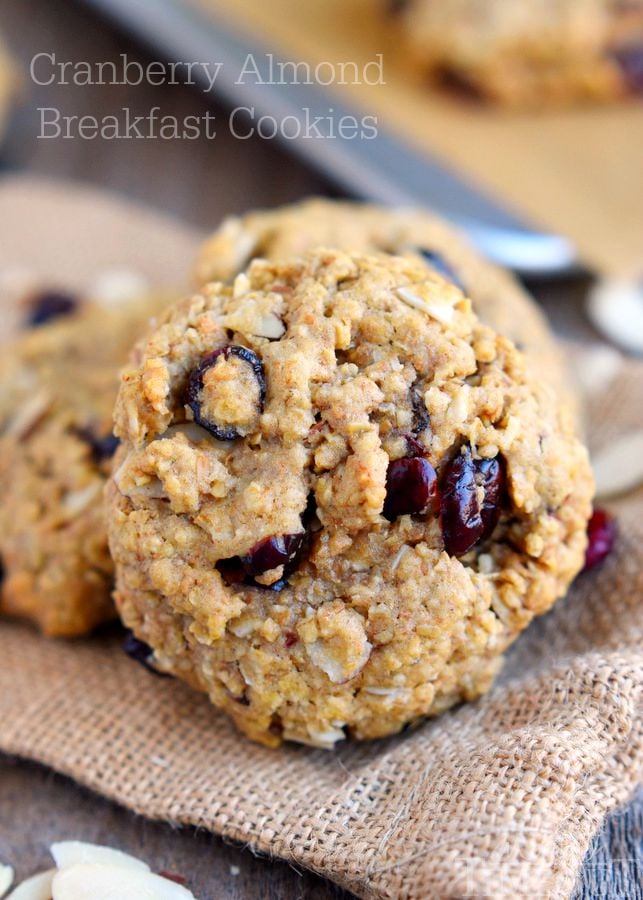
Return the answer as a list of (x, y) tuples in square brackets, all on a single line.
[(197, 182)]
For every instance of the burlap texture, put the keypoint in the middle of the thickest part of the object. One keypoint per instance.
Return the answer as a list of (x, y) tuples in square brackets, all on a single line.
[(497, 799)]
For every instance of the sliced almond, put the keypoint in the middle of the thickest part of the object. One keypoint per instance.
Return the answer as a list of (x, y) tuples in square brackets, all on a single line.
[(615, 307), (71, 853), (325, 738), (74, 502), (439, 306), (30, 414), (618, 467), (108, 882), (596, 367), (6, 879), (38, 887), (113, 287)]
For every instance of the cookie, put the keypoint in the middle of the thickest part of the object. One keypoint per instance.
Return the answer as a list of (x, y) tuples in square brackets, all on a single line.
[(338, 496), (534, 54), (291, 230), (58, 383)]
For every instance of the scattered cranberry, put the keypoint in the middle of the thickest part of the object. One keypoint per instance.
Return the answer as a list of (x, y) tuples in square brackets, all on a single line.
[(195, 385), (141, 652), (411, 487), (464, 520), (601, 533), (173, 876), (50, 305), (437, 262), (272, 552), (629, 58), (291, 639), (490, 473)]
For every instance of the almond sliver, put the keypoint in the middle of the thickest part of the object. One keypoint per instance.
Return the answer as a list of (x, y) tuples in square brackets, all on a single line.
[(105, 882), (38, 887), (618, 467), (70, 853)]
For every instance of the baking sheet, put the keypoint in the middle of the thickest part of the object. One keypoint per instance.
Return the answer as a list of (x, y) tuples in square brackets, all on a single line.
[(577, 171)]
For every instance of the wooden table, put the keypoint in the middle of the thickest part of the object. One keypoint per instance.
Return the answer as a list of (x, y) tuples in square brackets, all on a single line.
[(220, 176)]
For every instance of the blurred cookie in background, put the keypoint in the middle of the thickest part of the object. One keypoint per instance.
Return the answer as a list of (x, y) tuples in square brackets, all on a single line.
[(58, 383)]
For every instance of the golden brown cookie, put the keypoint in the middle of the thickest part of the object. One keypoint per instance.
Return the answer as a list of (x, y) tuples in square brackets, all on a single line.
[(289, 231), (338, 496), (58, 382)]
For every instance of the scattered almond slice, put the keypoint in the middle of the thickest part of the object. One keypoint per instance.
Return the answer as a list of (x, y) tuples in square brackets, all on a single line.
[(29, 414), (74, 502), (6, 879), (70, 853), (596, 367), (115, 286), (253, 316), (38, 887), (615, 307), (107, 882), (618, 467)]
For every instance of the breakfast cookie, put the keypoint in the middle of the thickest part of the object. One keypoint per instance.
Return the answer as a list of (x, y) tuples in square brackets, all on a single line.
[(58, 382), (288, 231), (529, 54), (338, 496)]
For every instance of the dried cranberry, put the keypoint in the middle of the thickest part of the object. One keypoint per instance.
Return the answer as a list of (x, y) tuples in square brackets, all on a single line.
[(141, 652), (173, 876), (414, 447), (420, 413), (629, 59), (50, 305), (102, 447), (490, 473), (411, 487), (271, 552), (464, 520), (601, 533), (437, 262), (231, 570), (462, 524), (195, 386), (290, 639)]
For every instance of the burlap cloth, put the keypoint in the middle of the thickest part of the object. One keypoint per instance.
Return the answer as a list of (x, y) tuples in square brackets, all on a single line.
[(496, 799)]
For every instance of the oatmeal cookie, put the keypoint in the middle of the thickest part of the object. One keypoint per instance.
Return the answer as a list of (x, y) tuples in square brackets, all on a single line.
[(288, 231), (338, 496), (529, 54), (58, 383)]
